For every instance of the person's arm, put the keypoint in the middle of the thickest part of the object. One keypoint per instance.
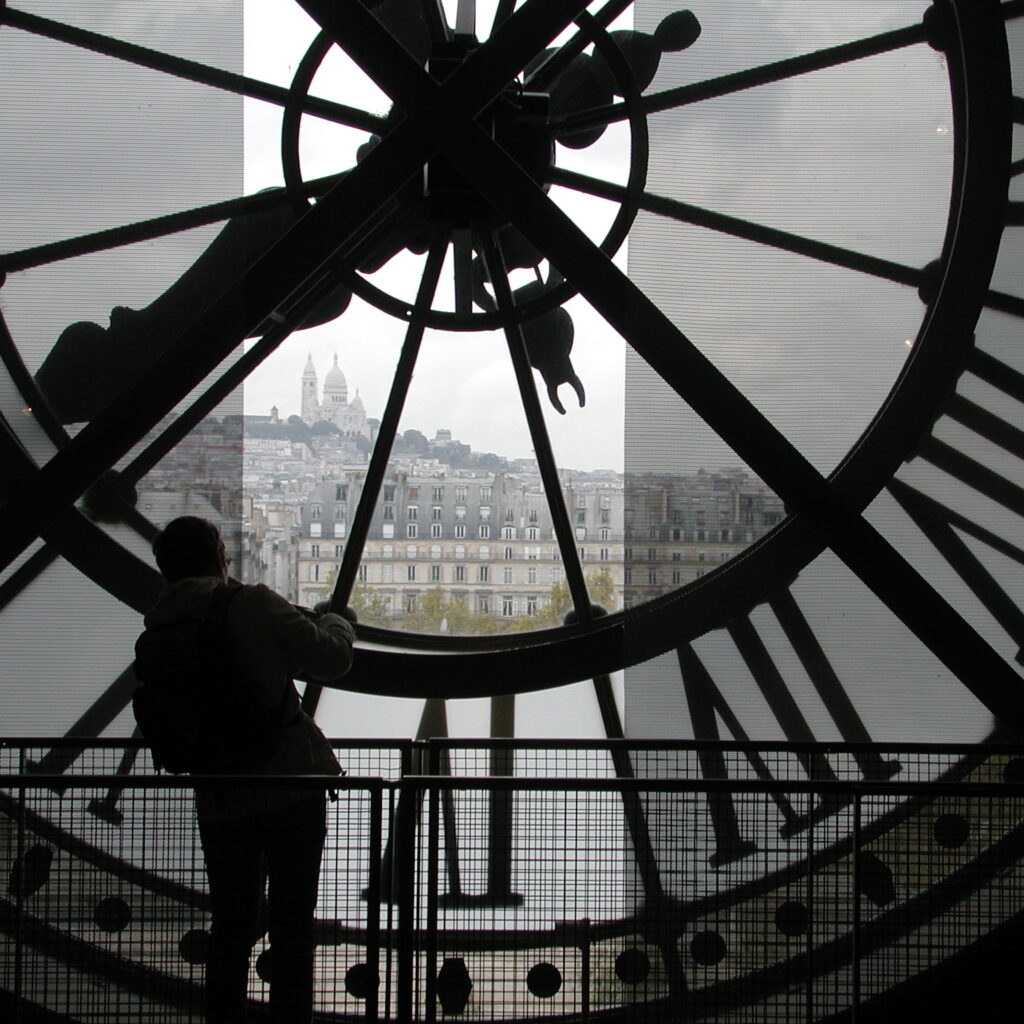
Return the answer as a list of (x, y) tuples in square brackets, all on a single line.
[(315, 649)]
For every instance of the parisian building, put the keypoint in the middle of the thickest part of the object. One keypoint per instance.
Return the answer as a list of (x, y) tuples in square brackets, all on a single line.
[(489, 539)]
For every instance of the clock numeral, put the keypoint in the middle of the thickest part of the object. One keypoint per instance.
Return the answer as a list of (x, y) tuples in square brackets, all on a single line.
[(707, 705), (943, 527)]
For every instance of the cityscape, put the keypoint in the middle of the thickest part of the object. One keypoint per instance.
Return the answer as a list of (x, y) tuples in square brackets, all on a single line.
[(459, 541)]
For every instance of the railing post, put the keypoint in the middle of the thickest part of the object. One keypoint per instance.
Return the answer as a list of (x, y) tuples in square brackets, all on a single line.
[(19, 900), (403, 888), (855, 937), (373, 902), (434, 798)]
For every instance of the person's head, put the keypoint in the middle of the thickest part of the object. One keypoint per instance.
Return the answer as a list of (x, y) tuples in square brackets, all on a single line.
[(190, 546)]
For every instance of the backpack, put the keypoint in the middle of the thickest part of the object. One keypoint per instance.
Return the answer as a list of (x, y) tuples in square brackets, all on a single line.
[(194, 708)]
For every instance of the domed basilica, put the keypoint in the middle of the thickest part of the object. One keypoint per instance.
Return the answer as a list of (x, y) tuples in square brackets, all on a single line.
[(348, 417)]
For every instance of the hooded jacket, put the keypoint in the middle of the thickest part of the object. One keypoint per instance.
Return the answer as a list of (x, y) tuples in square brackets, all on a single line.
[(271, 642)]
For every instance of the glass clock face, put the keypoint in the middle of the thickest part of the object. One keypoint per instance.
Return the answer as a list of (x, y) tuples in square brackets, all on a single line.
[(768, 238), (751, 239)]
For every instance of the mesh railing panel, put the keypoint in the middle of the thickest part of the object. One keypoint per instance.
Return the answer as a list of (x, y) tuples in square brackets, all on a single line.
[(505, 889)]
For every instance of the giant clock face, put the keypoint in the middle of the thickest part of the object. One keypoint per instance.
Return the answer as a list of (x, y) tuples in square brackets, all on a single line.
[(838, 314)]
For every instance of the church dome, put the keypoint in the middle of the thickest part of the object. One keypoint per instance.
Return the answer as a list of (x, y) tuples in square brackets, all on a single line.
[(335, 379), (335, 386)]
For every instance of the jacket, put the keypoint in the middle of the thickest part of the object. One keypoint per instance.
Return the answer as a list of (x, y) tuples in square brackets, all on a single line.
[(271, 642)]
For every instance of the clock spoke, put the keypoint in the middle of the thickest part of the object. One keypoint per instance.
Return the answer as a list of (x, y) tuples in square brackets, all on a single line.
[(388, 430), (543, 451), (556, 61), (766, 74), (737, 227), (155, 227), (190, 70), (377, 469)]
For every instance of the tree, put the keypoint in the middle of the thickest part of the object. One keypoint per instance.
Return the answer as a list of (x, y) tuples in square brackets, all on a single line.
[(435, 613), (370, 607), (600, 587)]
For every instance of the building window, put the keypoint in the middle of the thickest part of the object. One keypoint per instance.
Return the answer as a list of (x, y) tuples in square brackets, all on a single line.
[(460, 574), (461, 492), (581, 533), (603, 554), (531, 606), (339, 529), (437, 494), (581, 517), (414, 493), (363, 574), (508, 574), (411, 551), (435, 513), (604, 533), (485, 531), (460, 550), (509, 554), (387, 573), (509, 515), (485, 495), (435, 530), (460, 530), (555, 574), (435, 550), (533, 533), (652, 554), (314, 573), (533, 553), (483, 574), (485, 512), (531, 574), (412, 512), (627, 576), (485, 551), (435, 574), (389, 492), (508, 533), (652, 576), (483, 603), (410, 574), (409, 603), (315, 511), (314, 550), (387, 551), (341, 492), (677, 556), (702, 556), (315, 529), (410, 530), (389, 512), (606, 516), (460, 512), (508, 607)]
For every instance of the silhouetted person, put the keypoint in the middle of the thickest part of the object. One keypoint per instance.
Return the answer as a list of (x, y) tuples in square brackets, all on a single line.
[(259, 839)]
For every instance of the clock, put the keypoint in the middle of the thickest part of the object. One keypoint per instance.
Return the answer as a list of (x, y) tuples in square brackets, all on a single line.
[(868, 376)]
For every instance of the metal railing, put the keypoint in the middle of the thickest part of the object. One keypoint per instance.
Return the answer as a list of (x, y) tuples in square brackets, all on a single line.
[(528, 880)]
